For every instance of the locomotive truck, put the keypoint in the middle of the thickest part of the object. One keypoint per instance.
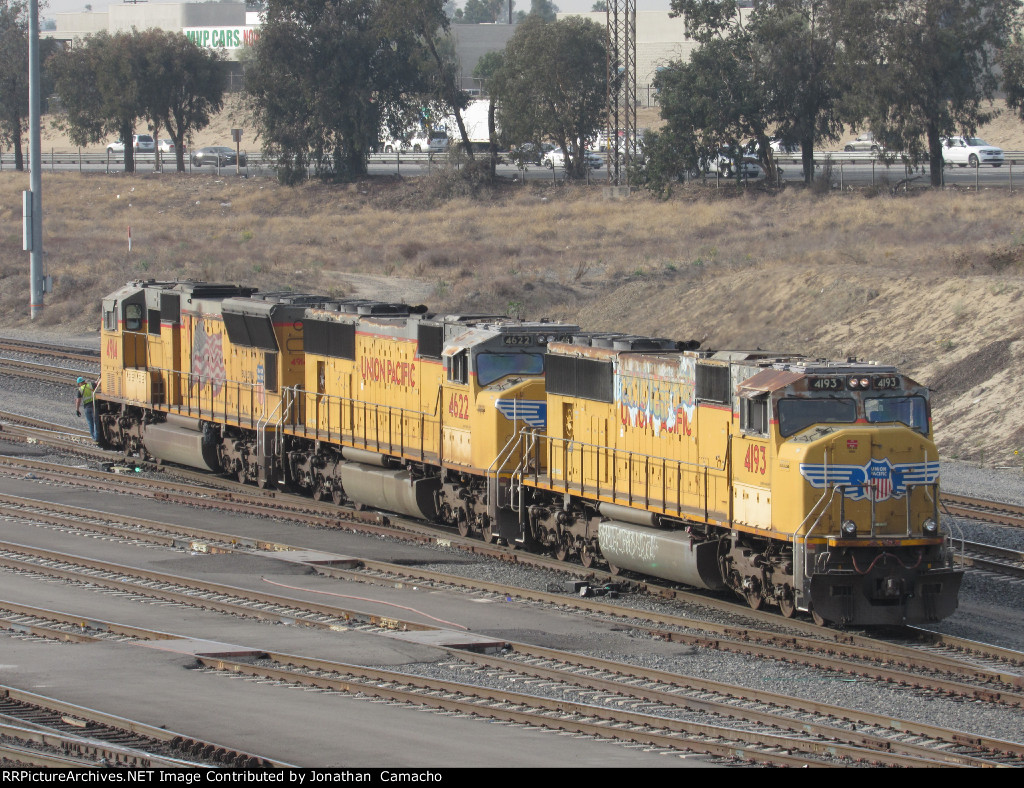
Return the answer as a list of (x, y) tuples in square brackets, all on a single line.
[(810, 485)]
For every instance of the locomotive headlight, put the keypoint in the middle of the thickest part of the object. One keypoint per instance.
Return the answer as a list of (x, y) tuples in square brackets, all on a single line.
[(930, 527), (848, 529)]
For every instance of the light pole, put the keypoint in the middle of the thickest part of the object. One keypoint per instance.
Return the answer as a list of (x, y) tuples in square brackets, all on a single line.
[(34, 200)]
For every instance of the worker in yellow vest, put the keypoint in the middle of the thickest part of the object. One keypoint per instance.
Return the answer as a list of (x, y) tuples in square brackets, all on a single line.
[(85, 399)]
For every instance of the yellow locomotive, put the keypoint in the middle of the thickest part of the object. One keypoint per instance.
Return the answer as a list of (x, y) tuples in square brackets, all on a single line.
[(810, 485)]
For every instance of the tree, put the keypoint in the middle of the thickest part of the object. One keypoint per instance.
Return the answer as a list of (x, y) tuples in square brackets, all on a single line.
[(183, 87), (326, 75), (109, 84), (430, 23), (803, 62), (927, 69), (552, 84), (791, 66), (600, 5), (100, 86), (715, 100), (483, 11), (544, 9), (1011, 60), (14, 109)]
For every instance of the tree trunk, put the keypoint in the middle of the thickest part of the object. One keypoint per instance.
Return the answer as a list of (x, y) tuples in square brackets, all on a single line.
[(935, 161), (807, 159), (127, 133), (19, 155)]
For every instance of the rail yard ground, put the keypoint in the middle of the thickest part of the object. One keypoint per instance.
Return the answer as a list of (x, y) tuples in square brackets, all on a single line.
[(929, 281)]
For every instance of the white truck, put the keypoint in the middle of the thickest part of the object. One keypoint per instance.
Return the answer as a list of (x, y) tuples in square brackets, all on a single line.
[(474, 117)]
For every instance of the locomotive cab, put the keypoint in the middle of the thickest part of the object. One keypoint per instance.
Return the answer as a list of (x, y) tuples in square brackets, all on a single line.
[(493, 409), (846, 452)]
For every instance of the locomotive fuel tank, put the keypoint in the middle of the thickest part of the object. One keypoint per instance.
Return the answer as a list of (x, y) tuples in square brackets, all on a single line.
[(181, 440), (672, 555), (390, 489)]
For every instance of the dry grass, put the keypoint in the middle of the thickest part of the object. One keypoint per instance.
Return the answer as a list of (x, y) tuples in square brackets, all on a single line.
[(924, 281)]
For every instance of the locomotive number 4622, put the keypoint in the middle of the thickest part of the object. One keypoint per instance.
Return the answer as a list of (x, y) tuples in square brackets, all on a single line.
[(458, 406)]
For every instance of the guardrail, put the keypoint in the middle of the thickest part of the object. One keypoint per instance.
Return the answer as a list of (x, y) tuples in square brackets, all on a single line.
[(53, 159), (840, 159), (256, 162)]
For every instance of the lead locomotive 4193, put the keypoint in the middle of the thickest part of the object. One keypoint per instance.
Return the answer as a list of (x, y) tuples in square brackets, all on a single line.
[(809, 485)]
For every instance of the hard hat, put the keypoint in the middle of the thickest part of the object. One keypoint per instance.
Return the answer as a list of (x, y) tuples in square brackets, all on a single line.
[(81, 381)]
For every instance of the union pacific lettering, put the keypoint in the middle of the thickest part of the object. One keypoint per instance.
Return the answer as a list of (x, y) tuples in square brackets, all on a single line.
[(388, 372)]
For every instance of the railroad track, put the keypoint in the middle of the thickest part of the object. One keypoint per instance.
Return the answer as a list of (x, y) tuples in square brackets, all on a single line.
[(41, 731), (252, 501), (228, 495), (989, 558), (83, 355), (596, 697), (984, 510), (927, 671), (43, 373)]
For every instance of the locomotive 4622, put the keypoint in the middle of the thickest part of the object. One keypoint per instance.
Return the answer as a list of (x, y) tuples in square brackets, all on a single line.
[(810, 485)]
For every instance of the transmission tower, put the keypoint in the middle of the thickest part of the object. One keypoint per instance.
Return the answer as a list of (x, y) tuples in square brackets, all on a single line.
[(621, 69)]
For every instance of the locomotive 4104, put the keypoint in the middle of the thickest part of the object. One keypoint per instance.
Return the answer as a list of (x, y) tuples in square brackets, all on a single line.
[(808, 485)]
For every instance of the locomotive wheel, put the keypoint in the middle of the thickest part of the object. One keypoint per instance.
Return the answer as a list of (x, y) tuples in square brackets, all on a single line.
[(817, 618), (337, 496), (463, 523), (587, 556), (486, 532), (754, 599), (319, 493), (613, 570), (787, 605), (243, 477), (562, 551)]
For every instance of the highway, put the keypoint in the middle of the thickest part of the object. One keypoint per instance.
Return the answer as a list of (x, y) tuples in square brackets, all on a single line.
[(847, 170)]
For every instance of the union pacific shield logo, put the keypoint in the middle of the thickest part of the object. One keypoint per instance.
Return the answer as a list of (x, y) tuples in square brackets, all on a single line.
[(533, 412), (878, 479)]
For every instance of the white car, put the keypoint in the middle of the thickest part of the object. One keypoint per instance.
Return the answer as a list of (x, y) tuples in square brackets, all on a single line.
[(141, 143), (970, 151), (417, 142), (555, 158), (724, 165), (781, 146), (167, 146)]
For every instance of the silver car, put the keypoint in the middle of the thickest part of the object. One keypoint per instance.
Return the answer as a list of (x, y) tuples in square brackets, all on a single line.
[(864, 142), (141, 143)]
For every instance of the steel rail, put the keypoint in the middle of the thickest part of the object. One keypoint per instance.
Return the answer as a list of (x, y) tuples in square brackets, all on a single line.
[(13, 698), (819, 659), (906, 655), (562, 715), (620, 682), (205, 540)]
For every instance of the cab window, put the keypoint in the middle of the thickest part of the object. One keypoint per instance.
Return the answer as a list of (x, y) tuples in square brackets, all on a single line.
[(132, 317), (494, 366), (799, 414), (754, 415), (458, 367), (912, 411)]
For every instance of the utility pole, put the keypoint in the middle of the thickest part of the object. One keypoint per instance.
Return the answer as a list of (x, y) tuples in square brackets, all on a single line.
[(33, 202), (621, 72)]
